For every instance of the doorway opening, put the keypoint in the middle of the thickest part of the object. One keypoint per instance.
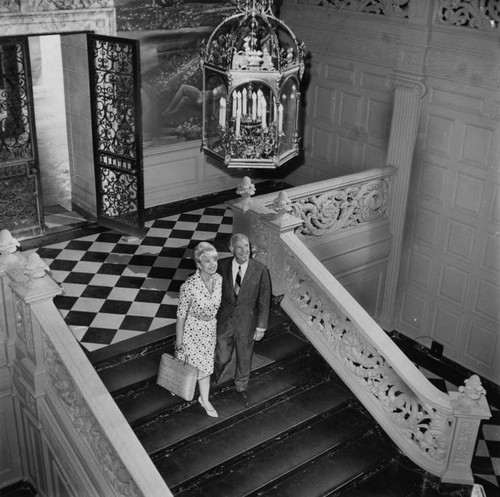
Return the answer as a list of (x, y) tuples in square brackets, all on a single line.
[(52, 98), (70, 134)]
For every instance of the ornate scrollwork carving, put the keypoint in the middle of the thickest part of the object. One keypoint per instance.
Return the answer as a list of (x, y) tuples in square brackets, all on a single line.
[(472, 391), (341, 208), (260, 237), (465, 437), (421, 424), (391, 8), (20, 327), (44, 5), (86, 424), (477, 14), (416, 86)]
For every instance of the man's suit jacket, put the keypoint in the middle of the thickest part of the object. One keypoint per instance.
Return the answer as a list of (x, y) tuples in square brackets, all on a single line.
[(250, 308)]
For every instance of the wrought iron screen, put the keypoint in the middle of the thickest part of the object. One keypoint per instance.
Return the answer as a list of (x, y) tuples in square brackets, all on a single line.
[(116, 127), (20, 195)]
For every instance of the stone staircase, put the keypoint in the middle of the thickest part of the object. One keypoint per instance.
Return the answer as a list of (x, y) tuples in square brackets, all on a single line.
[(304, 434)]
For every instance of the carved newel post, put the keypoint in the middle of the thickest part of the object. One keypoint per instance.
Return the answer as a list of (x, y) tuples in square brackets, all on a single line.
[(31, 284), (469, 408), (267, 231), (10, 259)]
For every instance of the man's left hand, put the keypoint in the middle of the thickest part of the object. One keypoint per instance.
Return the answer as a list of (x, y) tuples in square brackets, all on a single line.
[(259, 334)]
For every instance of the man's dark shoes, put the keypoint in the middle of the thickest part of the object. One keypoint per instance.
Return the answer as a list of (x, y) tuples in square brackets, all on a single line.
[(244, 398)]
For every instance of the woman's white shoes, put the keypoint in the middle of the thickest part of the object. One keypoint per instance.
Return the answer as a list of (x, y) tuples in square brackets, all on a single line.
[(210, 410)]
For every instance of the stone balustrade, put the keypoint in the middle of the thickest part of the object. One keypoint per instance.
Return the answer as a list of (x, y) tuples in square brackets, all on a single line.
[(64, 430), (436, 430)]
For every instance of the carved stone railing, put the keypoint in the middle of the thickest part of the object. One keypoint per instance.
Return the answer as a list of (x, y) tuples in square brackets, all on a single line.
[(320, 212), (477, 14), (70, 431), (436, 430), (24, 17), (334, 204)]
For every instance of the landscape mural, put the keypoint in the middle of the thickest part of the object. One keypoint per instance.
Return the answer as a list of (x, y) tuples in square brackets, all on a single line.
[(171, 34)]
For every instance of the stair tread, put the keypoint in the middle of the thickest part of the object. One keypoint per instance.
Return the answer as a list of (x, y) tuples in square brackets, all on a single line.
[(302, 436), (145, 368), (394, 480), (164, 431), (130, 373), (337, 470), (279, 459), (248, 433)]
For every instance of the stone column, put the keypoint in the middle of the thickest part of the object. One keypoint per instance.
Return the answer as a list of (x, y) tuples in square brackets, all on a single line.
[(409, 91)]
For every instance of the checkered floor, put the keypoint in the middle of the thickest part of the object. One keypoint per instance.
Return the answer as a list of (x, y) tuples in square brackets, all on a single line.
[(117, 287)]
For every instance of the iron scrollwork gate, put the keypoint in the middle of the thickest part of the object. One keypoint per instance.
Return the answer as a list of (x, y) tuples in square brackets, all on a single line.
[(117, 135), (21, 210)]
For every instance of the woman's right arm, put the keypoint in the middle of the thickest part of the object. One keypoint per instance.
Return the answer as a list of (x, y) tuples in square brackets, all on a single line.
[(179, 331), (182, 312)]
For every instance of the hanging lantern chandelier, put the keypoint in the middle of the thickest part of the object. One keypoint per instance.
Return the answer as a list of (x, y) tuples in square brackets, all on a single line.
[(252, 67)]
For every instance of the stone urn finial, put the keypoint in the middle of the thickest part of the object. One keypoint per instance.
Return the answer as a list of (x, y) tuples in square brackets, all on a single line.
[(472, 390), (8, 244), (282, 205), (246, 189), (35, 267)]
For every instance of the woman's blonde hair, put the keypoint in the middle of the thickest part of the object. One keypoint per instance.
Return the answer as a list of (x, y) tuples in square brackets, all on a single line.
[(204, 249)]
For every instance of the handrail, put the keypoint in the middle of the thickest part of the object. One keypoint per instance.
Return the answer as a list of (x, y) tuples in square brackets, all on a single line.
[(67, 395), (297, 193), (398, 395)]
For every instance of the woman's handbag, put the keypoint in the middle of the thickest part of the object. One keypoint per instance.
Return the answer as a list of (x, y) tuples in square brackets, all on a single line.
[(177, 376)]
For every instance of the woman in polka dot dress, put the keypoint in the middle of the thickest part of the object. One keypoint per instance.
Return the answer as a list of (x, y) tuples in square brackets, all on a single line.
[(196, 328)]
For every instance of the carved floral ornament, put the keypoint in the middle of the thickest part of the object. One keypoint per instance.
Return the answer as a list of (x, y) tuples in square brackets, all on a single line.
[(476, 14), (341, 208), (391, 8), (50, 5), (425, 426), (246, 189)]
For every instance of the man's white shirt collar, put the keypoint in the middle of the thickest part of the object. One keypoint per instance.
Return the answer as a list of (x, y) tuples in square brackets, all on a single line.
[(244, 267)]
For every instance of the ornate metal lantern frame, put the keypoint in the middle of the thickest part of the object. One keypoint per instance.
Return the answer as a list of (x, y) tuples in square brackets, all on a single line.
[(252, 68)]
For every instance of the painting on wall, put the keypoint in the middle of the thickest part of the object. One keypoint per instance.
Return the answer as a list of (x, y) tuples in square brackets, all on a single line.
[(171, 35)]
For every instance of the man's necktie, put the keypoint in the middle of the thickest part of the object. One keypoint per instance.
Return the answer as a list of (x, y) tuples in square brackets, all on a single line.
[(237, 281)]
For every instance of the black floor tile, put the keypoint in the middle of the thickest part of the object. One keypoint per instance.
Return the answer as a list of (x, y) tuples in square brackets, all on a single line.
[(99, 335), (154, 296), (115, 307), (130, 282), (95, 256), (80, 318), (136, 323), (96, 292), (79, 278)]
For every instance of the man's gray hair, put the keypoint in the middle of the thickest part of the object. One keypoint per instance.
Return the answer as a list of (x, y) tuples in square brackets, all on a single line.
[(236, 238)]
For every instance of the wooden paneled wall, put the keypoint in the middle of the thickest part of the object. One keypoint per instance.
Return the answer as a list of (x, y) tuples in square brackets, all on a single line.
[(449, 283)]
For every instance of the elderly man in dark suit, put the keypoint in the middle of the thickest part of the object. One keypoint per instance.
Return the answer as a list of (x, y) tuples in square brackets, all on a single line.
[(243, 314)]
